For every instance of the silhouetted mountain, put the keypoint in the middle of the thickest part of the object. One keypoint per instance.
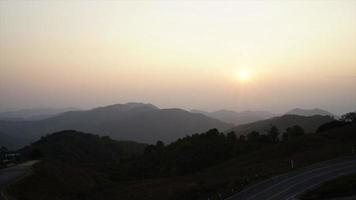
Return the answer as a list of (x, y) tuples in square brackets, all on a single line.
[(309, 112), (237, 118), (132, 121), (309, 124), (33, 114)]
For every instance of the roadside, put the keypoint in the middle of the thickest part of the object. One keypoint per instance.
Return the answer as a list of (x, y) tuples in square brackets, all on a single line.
[(345, 198), (289, 185), (13, 174), (342, 187)]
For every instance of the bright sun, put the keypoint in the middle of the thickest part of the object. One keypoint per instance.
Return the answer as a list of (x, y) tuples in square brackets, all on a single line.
[(244, 75)]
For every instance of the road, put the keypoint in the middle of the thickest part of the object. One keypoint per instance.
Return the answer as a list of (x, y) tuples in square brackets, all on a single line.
[(8, 175), (288, 186)]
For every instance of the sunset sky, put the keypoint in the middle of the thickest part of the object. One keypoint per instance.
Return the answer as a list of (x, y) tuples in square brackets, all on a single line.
[(241, 55)]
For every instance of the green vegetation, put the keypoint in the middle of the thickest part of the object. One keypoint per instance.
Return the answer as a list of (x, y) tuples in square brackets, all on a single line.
[(194, 167), (340, 187)]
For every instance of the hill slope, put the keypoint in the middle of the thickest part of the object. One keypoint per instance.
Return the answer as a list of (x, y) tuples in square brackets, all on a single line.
[(309, 112), (237, 118), (50, 181), (309, 124), (132, 121), (73, 146), (33, 114)]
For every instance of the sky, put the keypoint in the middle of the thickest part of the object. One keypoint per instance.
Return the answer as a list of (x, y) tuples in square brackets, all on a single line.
[(210, 55)]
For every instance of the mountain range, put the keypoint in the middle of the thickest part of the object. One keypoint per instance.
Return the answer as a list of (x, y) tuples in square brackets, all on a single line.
[(245, 117), (145, 122), (33, 114), (237, 118), (132, 121)]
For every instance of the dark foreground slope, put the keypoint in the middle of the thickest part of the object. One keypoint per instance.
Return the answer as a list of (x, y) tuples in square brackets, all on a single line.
[(77, 147), (340, 187), (222, 177), (132, 121)]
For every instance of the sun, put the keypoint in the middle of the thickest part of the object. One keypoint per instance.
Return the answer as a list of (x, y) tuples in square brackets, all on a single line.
[(244, 75)]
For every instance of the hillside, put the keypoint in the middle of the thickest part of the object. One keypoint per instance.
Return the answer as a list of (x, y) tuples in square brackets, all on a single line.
[(309, 112), (309, 124), (73, 146), (269, 159), (237, 118), (133, 121)]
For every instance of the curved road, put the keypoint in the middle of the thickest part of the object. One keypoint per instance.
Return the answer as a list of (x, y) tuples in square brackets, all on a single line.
[(8, 175), (288, 186)]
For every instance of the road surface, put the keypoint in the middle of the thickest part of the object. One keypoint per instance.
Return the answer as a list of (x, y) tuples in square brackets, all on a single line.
[(288, 186), (11, 174)]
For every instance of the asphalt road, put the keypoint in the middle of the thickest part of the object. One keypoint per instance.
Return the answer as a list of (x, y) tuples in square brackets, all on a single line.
[(288, 186), (11, 174)]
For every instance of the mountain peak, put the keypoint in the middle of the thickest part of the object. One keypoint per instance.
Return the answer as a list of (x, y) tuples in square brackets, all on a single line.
[(128, 106)]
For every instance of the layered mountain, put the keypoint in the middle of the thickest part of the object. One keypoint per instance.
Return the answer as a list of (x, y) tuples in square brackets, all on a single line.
[(309, 112), (237, 118), (308, 123), (133, 121), (12, 143), (33, 114)]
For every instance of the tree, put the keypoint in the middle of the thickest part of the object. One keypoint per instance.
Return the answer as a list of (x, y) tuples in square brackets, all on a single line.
[(231, 142), (159, 144), (149, 149), (241, 139), (293, 132), (253, 136), (231, 137), (264, 139), (349, 117), (331, 125), (273, 134)]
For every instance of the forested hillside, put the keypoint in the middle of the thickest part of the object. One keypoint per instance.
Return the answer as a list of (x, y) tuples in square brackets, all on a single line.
[(194, 167)]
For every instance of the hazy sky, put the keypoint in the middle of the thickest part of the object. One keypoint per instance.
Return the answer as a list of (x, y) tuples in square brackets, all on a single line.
[(179, 54)]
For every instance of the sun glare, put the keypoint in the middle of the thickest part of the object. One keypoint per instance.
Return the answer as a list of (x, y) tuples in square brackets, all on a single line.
[(244, 75)]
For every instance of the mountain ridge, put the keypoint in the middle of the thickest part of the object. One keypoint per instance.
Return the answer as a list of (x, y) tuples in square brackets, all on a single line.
[(308, 123), (134, 121), (309, 112), (237, 118)]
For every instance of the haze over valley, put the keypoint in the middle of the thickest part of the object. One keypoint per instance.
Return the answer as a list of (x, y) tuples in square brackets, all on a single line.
[(177, 100)]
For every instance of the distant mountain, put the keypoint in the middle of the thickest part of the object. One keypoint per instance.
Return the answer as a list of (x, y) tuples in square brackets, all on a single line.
[(132, 121), (309, 112), (33, 114), (309, 124), (237, 118), (12, 143)]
